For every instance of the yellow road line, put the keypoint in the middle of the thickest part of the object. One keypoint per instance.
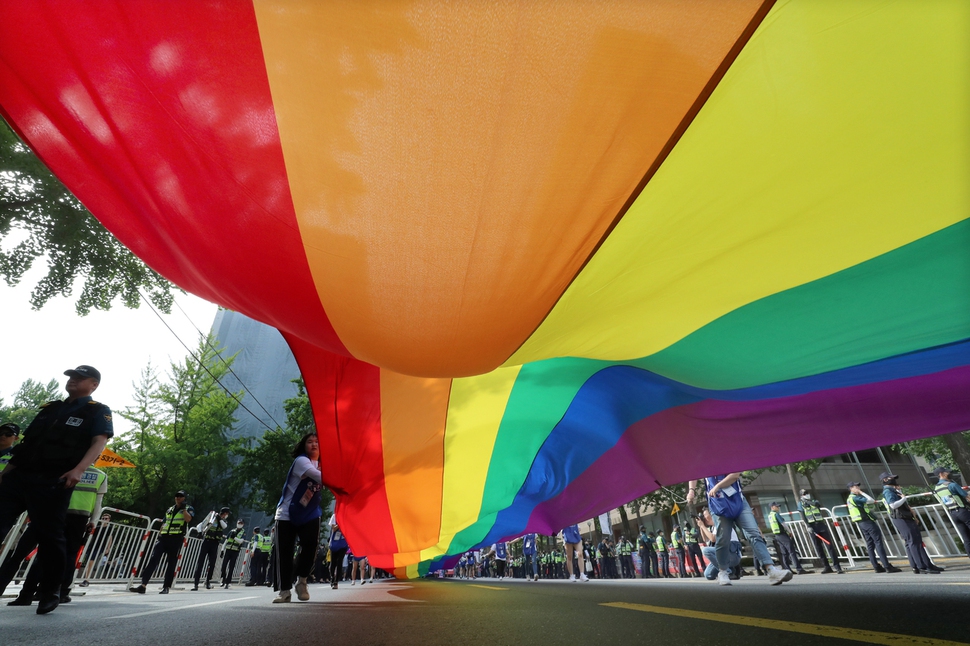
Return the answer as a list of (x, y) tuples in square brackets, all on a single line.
[(485, 587), (835, 632)]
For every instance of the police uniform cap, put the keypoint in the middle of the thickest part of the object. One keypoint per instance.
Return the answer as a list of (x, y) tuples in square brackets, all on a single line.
[(940, 470), (84, 372), (802, 492), (885, 475), (774, 503), (853, 484), (10, 426), (255, 529), (225, 510), (180, 494)]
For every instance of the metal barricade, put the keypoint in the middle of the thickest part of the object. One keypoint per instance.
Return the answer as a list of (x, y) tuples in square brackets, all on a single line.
[(111, 551), (13, 536)]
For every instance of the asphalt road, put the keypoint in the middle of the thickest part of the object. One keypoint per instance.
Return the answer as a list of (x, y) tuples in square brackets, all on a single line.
[(858, 607)]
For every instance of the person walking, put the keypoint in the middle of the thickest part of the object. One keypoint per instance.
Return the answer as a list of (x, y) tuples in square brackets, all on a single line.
[(529, 552), (169, 543), (906, 524), (62, 441), (727, 503), (956, 502), (230, 552), (861, 512), (787, 552), (338, 550), (811, 511), (572, 543), (211, 540), (298, 516)]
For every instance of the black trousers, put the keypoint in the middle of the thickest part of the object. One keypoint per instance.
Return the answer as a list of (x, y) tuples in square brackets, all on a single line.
[(820, 531), (909, 530), (961, 518), (168, 545), (207, 553), (680, 562), (75, 531), (874, 545), (229, 565), (664, 558), (788, 553), (337, 565), (695, 556), (45, 502), (286, 535), (654, 563), (257, 567), (645, 565)]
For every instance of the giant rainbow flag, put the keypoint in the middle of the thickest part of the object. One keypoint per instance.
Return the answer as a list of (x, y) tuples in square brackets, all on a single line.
[(536, 258)]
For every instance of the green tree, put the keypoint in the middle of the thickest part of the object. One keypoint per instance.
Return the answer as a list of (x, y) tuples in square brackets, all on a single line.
[(28, 400), (265, 463), (181, 439), (950, 450), (56, 225)]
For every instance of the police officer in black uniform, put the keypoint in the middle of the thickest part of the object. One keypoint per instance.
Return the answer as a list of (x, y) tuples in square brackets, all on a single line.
[(169, 543), (60, 443), (957, 503), (210, 548), (811, 511)]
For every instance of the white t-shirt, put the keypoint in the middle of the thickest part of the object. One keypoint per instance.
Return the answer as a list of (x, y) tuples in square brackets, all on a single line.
[(302, 468)]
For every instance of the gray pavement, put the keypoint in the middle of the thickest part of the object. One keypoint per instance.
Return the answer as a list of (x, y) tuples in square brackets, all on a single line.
[(859, 607)]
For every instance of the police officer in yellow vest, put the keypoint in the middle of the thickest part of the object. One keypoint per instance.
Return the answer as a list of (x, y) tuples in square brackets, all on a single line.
[(58, 446), (694, 554), (788, 552), (234, 540), (663, 556), (677, 544), (811, 511), (211, 538), (625, 548), (9, 434), (169, 543), (862, 512), (84, 506), (957, 503)]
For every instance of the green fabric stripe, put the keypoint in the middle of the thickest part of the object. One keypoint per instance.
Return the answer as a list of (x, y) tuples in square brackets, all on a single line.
[(914, 297)]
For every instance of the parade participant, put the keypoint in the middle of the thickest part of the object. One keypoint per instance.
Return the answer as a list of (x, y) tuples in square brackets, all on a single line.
[(728, 504), (861, 513), (573, 545), (230, 552), (62, 441), (529, 553), (258, 558), (358, 565), (338, 549), (694, 554), (811, 511), (644, 547), (169, 543), (906, 524), (498, 552), (677, 544), (298, 516), (211, 538), (663, 555), (956, 502), (787, 552)]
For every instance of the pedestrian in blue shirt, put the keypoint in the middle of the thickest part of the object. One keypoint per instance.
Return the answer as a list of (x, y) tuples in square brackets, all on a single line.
[(573, 544), (906, 524), (529, 552)]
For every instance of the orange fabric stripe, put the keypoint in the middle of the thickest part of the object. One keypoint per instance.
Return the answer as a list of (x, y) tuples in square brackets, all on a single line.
[(413, 414), (453, 165)]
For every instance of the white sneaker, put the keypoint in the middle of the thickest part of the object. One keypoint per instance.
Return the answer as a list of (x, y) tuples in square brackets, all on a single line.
[(371, 581), (777, 575), (283, 598), (572, 577), (354, 582), (583, 577), (723, 578)]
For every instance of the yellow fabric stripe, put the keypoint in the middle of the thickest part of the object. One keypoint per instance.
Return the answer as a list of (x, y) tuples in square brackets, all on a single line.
[(475, 411), (839, 134), (829, 632)]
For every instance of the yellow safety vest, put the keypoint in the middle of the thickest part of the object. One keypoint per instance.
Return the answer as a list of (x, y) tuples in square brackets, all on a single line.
[(85, 496)]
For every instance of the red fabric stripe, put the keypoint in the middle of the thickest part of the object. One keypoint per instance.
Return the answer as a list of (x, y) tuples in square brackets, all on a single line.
[(346, 398), (159, 116)]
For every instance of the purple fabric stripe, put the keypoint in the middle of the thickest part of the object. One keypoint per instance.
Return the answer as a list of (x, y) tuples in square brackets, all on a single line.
[(717, 436)]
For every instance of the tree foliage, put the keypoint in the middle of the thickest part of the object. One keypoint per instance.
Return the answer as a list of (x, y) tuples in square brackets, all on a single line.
[(265, 463), (949, 450), (34, 203), (181, 439), (27, 401)]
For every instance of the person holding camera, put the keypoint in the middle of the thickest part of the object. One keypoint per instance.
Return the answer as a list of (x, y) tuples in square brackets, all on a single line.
[(169, 543)]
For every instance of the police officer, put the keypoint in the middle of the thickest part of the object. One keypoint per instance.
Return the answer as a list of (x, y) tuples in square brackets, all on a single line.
[(216, 525), (811, 511), (677, 544), (266, 547), (625, 547), (906, 524), (861, 512), (957, 504), (58, 446), (663, 555), (692, 541), (230, 551), (257, 565), (85, 504), (645, 547), (9, 434), (169, 543), (788, 552)]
